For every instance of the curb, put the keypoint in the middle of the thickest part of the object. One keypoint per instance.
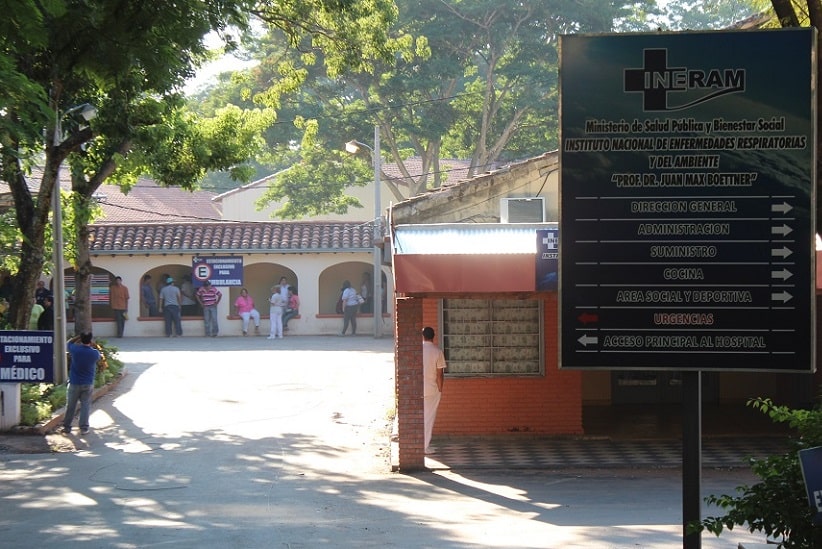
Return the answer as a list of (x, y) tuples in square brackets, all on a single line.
[(45, 427), (394, 446)]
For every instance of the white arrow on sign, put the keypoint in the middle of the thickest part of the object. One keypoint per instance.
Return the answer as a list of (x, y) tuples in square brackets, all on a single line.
[(782, 252), (784, 230), (784, 274), (586, 339), (784, 297), (781, 208)]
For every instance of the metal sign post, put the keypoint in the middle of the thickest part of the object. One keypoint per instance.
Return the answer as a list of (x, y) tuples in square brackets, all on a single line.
[(687, 209)]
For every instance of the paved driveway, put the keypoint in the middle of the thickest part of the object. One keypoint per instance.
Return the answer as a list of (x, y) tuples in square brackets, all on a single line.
[(246, 442)]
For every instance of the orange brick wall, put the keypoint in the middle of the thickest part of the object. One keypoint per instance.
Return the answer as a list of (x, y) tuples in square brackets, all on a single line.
[(408, 379), (549, 404)]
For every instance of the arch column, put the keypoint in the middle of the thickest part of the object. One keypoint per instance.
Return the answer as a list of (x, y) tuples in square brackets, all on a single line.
[(409, 383)]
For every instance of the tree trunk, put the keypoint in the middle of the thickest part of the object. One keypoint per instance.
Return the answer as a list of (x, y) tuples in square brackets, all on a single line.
[(787, 18), (815, 12), (82, 276), (785, 13), (82, 198), (32, 219)]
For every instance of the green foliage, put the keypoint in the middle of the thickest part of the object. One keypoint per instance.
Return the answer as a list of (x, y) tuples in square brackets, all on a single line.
[(32, 392), (109, 366), (37, 402), (57, 396), (467, 79), (314, 184), (777, 506), (708, 14), (32, 413)]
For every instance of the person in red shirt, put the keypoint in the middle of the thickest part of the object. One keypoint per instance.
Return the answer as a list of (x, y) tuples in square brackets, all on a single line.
[(208, 296), (292, 309)]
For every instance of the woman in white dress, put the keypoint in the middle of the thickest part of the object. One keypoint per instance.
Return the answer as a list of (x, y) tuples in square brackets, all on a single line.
[(277, 304)]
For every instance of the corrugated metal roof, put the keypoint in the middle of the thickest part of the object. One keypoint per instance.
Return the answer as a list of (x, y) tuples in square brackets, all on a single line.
[(468, 239)]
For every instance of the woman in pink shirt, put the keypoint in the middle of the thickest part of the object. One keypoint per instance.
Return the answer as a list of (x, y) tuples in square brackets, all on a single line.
[(292, 309), (245, 308)]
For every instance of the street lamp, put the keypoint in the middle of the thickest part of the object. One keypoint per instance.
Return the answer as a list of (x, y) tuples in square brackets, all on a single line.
[(86, 112), (353, 147)]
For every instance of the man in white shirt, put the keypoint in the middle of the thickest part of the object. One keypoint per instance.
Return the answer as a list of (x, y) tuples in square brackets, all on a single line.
[(433, 367)]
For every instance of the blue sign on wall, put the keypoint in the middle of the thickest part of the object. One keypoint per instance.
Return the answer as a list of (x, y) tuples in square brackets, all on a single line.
[(547, 260), (26, 356), (811, 462), (687, 201), (221, 271)]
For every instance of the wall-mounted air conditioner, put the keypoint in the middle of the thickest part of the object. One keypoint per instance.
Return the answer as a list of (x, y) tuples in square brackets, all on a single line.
[(522, 210)]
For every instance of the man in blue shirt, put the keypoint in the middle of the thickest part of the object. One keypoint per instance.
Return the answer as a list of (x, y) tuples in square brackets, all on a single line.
[(84, 360)]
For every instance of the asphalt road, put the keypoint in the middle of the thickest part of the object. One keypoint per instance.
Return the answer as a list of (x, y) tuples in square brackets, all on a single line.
[(246, 442)]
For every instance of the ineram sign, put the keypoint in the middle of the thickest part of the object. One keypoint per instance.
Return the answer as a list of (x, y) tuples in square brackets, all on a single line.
[(687, 201)]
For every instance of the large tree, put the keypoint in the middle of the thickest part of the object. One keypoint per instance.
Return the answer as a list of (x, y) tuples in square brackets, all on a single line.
[(795, 13), (473, 79), (130, 59), (708, 14)]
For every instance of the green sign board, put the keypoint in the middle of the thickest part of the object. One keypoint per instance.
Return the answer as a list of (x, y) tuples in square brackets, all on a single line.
[(687, 201)]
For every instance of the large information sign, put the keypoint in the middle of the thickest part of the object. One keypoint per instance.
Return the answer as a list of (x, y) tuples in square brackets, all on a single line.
[(687, 201)]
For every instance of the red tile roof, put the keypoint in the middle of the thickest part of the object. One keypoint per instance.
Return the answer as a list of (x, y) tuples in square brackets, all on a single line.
[(228, 236), (147, 201), (152, 219), (453, 170), (155, 219)]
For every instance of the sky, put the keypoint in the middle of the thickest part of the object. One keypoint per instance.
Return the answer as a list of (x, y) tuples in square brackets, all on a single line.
[(206, 74), (209, 71)]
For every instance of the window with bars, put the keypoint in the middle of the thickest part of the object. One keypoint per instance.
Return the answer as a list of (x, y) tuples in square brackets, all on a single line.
[(492, 336)]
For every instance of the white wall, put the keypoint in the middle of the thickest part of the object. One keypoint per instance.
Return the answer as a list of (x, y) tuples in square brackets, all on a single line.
[(240, 205), (318, 277)]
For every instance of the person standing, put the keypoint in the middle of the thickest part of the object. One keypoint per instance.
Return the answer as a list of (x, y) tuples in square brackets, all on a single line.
[(147, 293), (208, 297), (36, 311), (284, 286), (189, 299), (84, 360), (244, 304), (351, 305), (433, 372), (41, 292), (170, 301), (367, 293), (118, 298), (275, 313), (46, 320)]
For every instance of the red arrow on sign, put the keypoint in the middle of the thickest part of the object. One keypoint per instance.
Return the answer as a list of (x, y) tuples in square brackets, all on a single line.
[(588, 318)]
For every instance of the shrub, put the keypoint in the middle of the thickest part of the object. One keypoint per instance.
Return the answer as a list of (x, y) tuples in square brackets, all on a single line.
[(778, 505), (57, 396), (32, 392)]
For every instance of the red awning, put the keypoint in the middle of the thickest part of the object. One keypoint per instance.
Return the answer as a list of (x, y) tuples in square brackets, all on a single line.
[(487, 273)]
